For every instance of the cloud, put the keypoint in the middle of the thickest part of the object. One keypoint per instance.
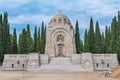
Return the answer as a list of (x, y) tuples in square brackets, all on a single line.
[(32, 19), (13, 3), (35, 11)]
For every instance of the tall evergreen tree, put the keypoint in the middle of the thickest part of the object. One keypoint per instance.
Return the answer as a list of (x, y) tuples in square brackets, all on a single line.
[(11, 43), (23, 42), (77, 38), (20, 44), (107, 40), (118, 48), (91, 36), (35, 39), (113, 43), (29, 40), (1, 47), (118, 22), (118, 38), (38, 41), (6, 34), (86, 42), (98, 44), (14, 46), (43, 38), (102, 43)]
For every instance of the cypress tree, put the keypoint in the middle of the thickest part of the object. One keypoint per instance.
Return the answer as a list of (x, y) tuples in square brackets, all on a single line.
[(118, 38), (38, 41), (43, 38), (24, 42), (14, 46), (29, 40), (86, 42), (35, 39), (109, 49), (77, 38), (91, 36), (118, 23), (107, 40), (6, 34), (118, 48), (20, 44), (97, 39), (113, 43), (1, 47), (11, 43), (102, 47)]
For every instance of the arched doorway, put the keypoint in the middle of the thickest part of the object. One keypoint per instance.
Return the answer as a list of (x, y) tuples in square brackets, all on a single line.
[(60, 46)]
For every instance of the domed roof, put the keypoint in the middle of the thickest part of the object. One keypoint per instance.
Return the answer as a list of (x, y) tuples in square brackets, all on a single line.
[(60, 18)]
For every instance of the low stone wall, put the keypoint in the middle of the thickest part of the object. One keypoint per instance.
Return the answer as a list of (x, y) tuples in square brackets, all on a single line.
[(104, 61), (15, 62), (39, 62)]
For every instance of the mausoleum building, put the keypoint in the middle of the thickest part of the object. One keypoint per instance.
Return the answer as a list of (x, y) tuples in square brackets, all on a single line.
[(60, 53)]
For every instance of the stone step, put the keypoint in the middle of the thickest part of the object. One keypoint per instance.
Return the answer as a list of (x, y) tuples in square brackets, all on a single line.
[(60, 61), (62, 68)]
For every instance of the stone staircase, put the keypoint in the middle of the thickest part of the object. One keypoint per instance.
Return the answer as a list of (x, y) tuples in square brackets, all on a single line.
[(60, 64), (60, 61)]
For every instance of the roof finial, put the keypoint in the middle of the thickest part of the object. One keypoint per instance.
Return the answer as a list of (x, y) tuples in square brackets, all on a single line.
[(60, 11)]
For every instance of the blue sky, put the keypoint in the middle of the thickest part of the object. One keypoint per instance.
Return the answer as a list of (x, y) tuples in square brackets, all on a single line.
[(22, 12)]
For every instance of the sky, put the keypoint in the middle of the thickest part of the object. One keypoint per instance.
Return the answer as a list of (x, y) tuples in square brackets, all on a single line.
[(33, 12)]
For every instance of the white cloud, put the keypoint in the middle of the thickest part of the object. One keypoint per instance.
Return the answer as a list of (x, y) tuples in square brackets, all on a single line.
[(12, 3), (77, 9), (32, 19)]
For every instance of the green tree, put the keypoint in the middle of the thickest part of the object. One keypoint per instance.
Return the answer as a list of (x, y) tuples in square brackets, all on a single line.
[(118, 22), (6, 35), (14, 46), (35, 39), (98, 44), (91, 36), (1, 47), (118, 48), (102, 43), (11, 43), (29, 40), (114, 34), (20, 44), (118, 38), (23, 42), (38, 41), (77, 38), (86, 42), (107, 40), (43, 38)]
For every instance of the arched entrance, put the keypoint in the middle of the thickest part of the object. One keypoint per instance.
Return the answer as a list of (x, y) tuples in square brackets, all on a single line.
[(60, 46)]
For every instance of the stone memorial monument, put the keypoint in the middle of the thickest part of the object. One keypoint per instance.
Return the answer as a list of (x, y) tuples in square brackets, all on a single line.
[(60, 53)]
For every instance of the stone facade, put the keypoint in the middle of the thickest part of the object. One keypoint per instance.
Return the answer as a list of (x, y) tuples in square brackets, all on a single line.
[(60, 53), (60, 39), (44, 63)]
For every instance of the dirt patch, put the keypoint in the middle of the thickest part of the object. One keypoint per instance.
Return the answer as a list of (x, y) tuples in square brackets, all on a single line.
[(24, 75), (116, 72)]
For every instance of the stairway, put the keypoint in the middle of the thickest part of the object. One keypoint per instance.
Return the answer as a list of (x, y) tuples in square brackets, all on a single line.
[(60, 61), (60, 64)]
